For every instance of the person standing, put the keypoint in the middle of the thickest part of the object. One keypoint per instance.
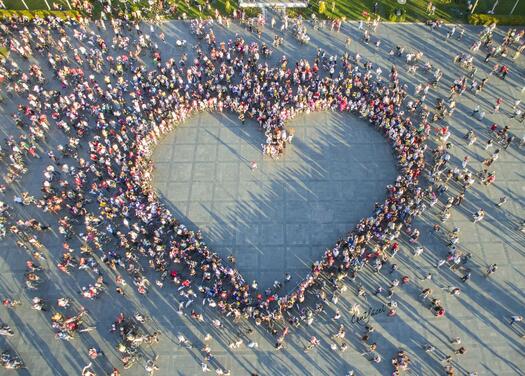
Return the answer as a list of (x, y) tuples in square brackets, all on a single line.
[(466, 277), (491, 270), (503, 71), (516, 114), (502, 200), (479, 215), (462, 350), (465, 162), (499, 101)]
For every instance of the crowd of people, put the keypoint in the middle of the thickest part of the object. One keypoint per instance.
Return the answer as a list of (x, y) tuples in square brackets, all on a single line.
[(113, 109)]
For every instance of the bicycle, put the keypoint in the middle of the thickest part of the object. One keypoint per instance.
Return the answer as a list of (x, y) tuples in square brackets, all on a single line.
[(130, 361)]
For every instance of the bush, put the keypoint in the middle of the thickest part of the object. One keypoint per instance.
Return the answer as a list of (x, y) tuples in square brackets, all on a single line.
[(397, 15), (252, 12), (292, 13), (487, 19), (31, 14), (322, 7)]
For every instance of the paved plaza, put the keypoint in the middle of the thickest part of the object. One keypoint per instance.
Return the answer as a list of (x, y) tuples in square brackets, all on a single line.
[(282, 215)]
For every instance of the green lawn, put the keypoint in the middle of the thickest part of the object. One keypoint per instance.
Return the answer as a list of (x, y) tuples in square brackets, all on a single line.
[(192, 10), (448, 10), (503, 7), (35, 4)]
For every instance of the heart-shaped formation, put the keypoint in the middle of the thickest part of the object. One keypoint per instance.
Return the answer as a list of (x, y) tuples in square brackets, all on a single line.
[(113, 108), (137, 113), (273, 96)]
